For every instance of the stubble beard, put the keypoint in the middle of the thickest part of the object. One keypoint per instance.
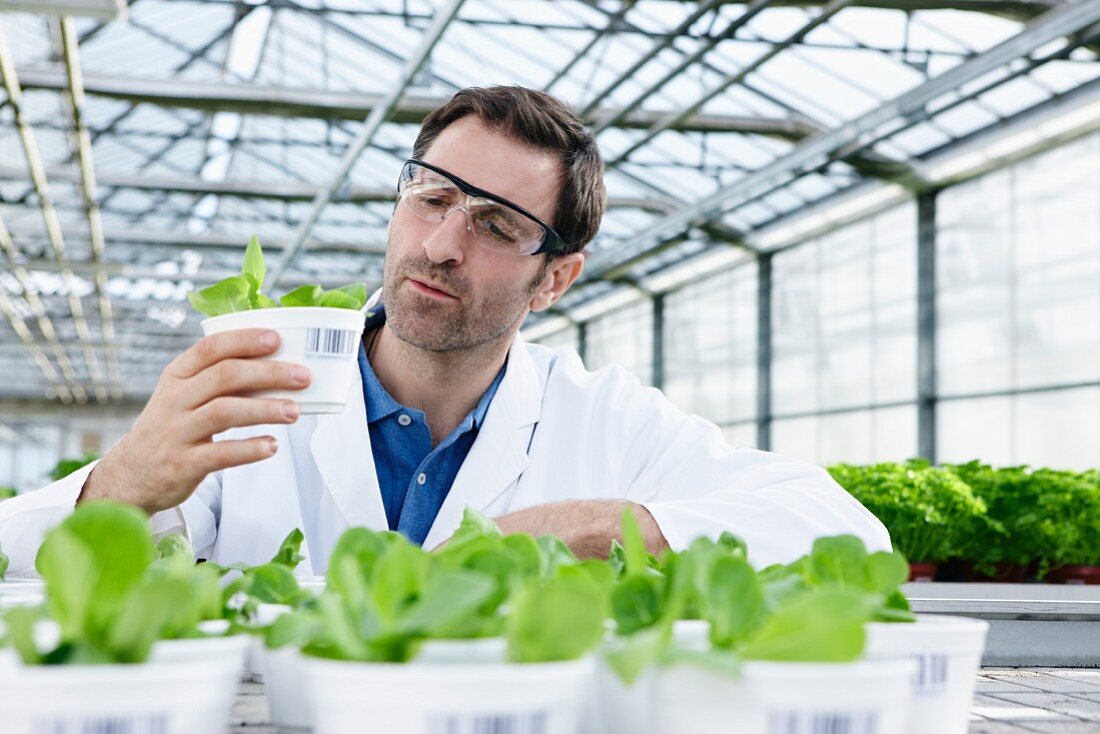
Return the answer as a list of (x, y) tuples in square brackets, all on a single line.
[(440, 326)]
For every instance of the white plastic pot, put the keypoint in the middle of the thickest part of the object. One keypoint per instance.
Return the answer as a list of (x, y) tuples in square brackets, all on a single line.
[(427, 698), (287, 693), (947, 652), (254, 658), (864, 697), (326, 340), (616, 707), (226, 651), (21, 593), (151, 698)]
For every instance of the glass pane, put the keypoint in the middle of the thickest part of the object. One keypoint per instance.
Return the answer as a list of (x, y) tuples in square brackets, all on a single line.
[(975, 429), (845, 437), (1057, 266), (1059, 429), (567, 337), (973, 297), (710, 346), (795, 437), (623, 337), (894, 433)]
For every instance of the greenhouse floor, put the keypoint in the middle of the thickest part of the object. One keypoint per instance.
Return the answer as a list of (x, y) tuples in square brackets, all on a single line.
[(1007, 701)]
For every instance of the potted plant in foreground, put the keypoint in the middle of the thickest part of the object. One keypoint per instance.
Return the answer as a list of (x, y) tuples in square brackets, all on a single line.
[(317, 328), (121, 643)]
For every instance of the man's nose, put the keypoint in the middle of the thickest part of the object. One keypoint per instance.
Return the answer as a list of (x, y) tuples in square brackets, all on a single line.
[(447, 242)]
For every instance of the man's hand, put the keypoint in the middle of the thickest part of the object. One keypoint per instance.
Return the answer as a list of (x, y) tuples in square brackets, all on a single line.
[(586, 526), (169, 450)]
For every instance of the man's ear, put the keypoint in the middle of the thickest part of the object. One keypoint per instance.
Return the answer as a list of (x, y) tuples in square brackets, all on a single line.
[(564, 270)]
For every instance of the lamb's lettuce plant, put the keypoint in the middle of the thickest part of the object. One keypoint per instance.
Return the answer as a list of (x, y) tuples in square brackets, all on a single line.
[(243, 292), (385, 597), (111, 592)]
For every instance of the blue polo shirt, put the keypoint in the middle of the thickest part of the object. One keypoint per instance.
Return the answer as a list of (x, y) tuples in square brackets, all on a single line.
[(413, 478)]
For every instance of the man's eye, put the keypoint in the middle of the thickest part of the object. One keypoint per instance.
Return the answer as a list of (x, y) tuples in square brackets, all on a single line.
[(500, 234)]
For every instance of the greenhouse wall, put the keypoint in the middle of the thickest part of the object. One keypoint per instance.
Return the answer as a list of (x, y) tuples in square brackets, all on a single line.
[(1016, 329)]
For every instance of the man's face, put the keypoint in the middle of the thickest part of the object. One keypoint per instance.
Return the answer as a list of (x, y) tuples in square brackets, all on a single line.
[(443, 291)]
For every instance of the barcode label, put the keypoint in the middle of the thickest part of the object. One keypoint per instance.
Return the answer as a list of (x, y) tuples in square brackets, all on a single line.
[(489, 724), (330, 343), (930, 677), (157, 724), (822, 722)]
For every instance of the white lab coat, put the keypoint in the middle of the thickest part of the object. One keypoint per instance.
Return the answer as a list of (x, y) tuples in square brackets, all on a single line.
[(554, 431)]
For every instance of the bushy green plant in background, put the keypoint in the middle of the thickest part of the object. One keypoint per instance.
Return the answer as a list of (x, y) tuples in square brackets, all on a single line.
[(6, 493), (1070, 504), (65, 467), (242, 292), (931, 513)]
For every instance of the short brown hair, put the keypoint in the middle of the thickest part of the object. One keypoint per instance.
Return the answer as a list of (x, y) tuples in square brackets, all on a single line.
[(544, 122)]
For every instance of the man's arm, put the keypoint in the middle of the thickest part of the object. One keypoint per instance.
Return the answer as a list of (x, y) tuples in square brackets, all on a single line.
[(586, 526)]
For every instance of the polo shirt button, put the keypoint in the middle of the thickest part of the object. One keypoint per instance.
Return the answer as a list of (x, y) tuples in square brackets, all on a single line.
[(404, 419), (421, 478)]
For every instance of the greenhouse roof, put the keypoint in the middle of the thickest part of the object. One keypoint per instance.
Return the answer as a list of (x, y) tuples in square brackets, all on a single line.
[(143, 143)]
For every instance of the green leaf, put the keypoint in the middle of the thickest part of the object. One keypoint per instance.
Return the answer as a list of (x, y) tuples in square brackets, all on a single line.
[(293, 628), (357, 291), (556, 553), (152, 610), (305, 295), (560, 619), (172, 546), (90, 563), (736, 605), (336, 299), (254, 266), (886, 572), (630, 656), (450, 596), (635, 604), (262, 301), (225, 296), (821, 625), (3, 565), (20, 622), (633, 544), (288, 554)]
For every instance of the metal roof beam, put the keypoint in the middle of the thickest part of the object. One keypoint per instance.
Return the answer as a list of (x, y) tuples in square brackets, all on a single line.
[(314, 104), (382, 112), (266, 190), (1060, 22), (105, 9)]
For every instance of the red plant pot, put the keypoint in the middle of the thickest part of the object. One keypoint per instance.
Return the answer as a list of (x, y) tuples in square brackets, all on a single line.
[(923, 572), (1075, 575)]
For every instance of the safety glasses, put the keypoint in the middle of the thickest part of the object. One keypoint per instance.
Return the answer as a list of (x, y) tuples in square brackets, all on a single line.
[(432, 194)]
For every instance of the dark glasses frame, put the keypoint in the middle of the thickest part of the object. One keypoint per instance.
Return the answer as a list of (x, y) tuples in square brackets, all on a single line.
[(551, 240)]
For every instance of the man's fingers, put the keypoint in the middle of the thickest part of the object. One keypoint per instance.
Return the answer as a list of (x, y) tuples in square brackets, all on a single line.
[(212, 349), (219, 455), (223, 413), (235, 376)]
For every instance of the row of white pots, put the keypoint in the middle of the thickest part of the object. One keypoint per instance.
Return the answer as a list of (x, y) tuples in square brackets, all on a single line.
[(914, 679), (187, 686)]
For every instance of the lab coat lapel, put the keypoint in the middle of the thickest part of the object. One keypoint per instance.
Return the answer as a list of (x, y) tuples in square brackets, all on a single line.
[(341, 450), (499, 455)]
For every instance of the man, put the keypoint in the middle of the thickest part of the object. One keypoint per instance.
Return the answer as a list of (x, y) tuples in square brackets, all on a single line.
[(453, 410)]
